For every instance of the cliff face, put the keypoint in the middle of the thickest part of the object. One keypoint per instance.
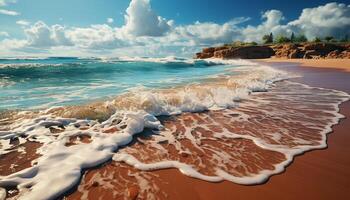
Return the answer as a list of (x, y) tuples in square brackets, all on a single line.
[(304, 50), (249, 52), (312, 50)]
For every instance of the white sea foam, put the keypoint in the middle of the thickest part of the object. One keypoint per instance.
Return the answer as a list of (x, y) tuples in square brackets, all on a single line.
[(172, 59), (59, 168), (35, 65)]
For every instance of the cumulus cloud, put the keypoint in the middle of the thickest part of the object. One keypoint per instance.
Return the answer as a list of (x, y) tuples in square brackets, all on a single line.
[(8, 44), (206, 33), (9, 12), (141, 20), (41, 35), (271, 23), (96, 37), (330, 19)]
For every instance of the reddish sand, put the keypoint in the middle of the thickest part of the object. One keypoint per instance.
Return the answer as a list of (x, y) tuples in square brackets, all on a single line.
[(343, 64)]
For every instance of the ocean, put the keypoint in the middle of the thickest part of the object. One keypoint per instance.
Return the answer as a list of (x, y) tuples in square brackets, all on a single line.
[(41, 83)]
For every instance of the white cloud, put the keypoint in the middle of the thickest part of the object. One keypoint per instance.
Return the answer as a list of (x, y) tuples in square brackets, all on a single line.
[(141, 20), (23, 22), (9, 12), (208, 32), (42, 36), (4, 34), (5, 2), (12, 44), (330, 19), (110, 20), (147, 34), (96, 37), (272, 23)]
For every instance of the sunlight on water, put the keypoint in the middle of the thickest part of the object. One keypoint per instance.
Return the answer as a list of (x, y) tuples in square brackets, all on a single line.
[(41, 83)]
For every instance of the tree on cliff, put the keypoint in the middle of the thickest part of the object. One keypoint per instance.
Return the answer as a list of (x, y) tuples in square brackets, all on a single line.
[(317, 39), (328, 38), (268, 38), (301, 38), (282, 39), (292, 37)]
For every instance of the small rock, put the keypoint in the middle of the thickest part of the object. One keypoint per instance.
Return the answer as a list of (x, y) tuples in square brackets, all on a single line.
[(310, 54), (294, 54)]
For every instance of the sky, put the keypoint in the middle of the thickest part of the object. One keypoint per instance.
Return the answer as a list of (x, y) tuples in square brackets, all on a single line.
[(157, 28)]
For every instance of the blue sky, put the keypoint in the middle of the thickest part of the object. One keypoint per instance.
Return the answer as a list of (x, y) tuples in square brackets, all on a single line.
[(157, 27)]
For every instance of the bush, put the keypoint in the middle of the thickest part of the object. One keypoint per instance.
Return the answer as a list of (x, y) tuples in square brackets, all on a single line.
[(282, 39), (328, 38), (317, 39), (301, 38), (241, 44)]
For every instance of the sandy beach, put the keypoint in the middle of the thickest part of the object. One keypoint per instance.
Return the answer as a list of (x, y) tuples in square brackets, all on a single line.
[(343, 64), (319, 174), (155, 100)]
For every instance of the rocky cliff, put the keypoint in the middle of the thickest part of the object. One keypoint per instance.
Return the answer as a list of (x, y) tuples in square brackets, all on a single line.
[(227, 52), (303, 50)]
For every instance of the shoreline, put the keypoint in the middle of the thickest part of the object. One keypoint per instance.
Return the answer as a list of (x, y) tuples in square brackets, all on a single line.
[(323, 173)]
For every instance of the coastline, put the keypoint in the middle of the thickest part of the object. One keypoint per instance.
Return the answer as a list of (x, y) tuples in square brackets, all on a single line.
[(328, 174), (318, 174)]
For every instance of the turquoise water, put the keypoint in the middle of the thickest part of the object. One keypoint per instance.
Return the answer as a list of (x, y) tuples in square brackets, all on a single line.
[(42, 83)]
